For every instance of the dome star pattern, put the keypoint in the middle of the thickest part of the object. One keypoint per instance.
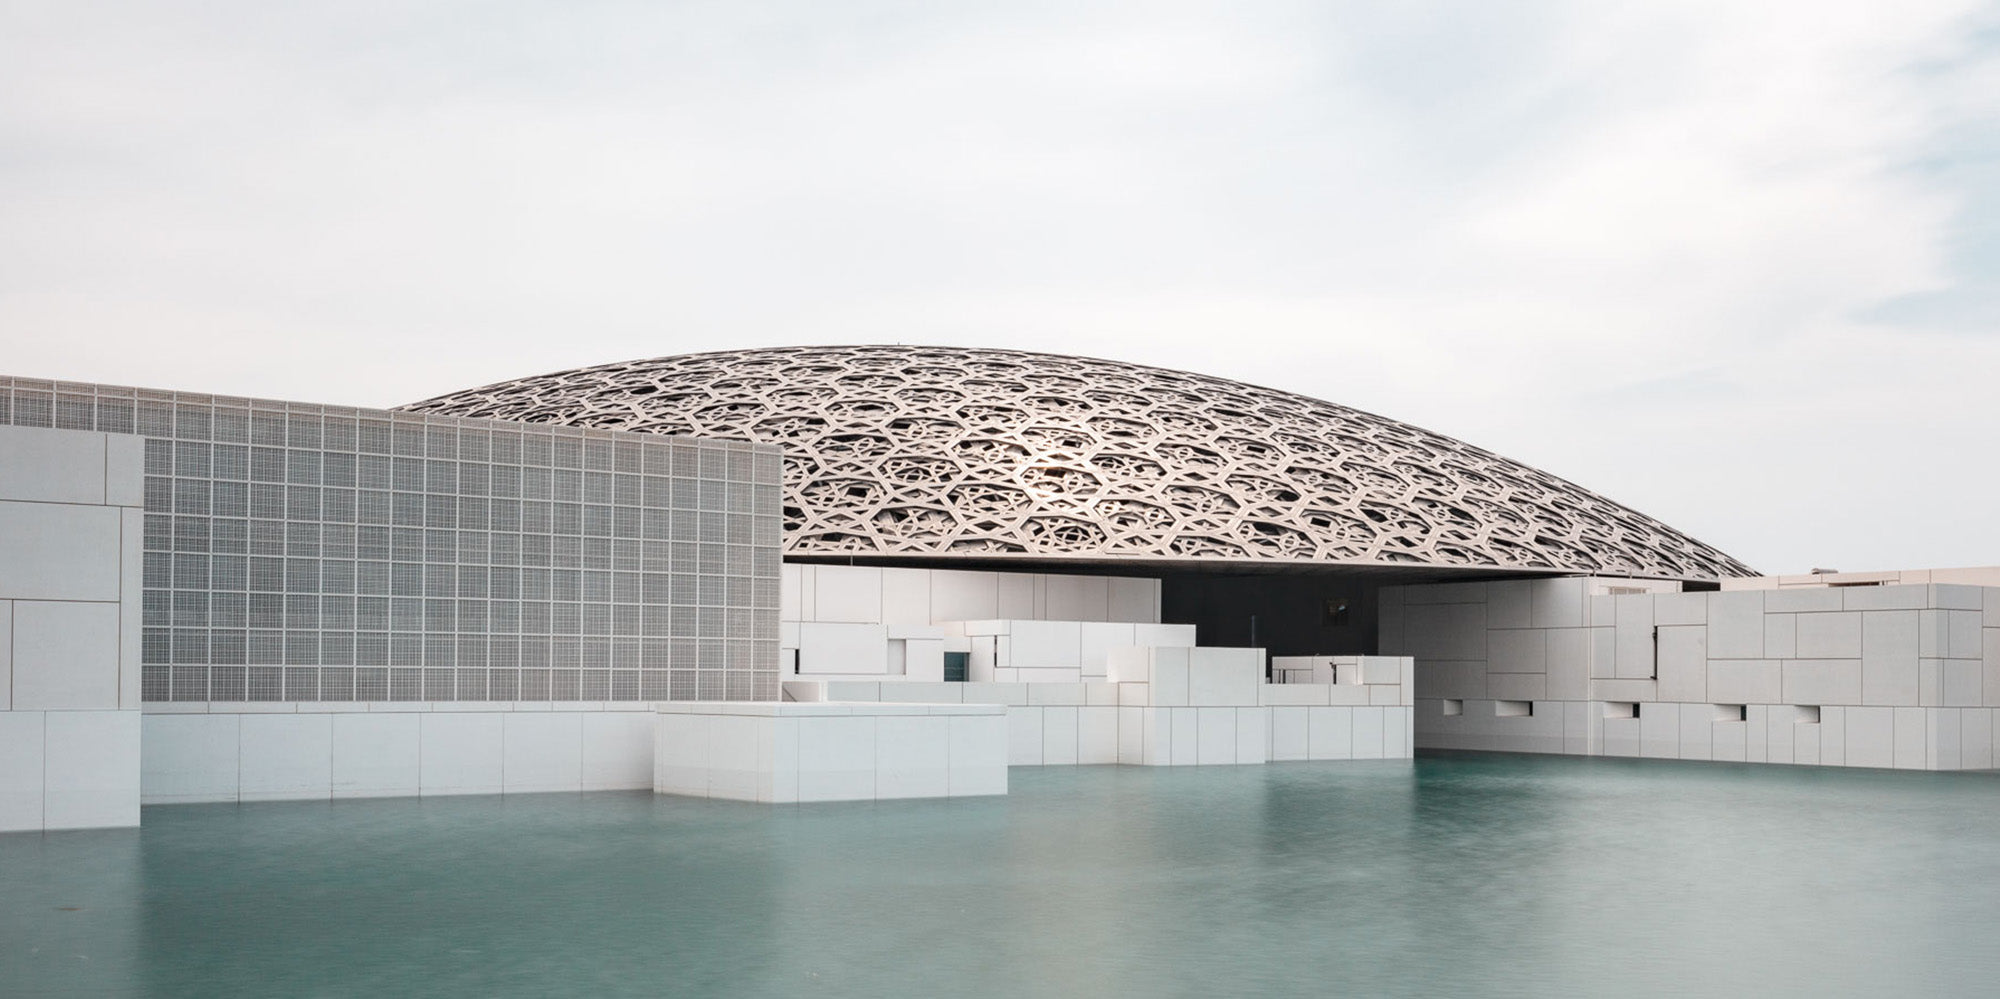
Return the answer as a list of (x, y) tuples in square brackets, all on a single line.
[(914, 451)]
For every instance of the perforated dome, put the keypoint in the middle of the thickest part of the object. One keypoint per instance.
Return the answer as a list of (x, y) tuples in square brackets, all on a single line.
[(948, 451)]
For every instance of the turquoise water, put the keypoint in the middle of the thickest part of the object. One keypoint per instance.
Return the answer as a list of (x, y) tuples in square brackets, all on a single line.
[(1455, 875)]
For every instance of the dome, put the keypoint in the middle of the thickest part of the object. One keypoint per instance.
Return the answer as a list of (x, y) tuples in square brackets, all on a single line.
[(915, 453)]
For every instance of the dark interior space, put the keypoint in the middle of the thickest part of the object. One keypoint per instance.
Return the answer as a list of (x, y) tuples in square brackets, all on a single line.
[(1294, 614)]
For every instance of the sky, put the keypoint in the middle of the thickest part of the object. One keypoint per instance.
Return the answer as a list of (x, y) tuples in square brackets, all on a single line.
[(1734, 265)]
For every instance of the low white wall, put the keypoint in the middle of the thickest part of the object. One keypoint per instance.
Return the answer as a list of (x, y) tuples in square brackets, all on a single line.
[(1919, 662), (283, 751), (787, 753), (1829, 735)]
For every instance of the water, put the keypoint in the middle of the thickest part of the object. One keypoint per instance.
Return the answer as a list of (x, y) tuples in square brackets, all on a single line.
[(1455, 875)]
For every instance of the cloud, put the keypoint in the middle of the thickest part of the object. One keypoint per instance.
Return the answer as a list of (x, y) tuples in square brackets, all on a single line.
[(1732, 266)]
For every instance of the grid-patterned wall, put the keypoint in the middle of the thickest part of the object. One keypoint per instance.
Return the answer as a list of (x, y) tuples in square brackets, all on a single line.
[(316, 553)]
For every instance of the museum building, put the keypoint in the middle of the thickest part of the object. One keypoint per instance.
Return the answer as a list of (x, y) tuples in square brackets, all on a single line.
[(815, 573)]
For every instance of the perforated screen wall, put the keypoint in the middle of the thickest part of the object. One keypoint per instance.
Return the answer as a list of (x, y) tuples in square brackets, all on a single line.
[(301, 553)]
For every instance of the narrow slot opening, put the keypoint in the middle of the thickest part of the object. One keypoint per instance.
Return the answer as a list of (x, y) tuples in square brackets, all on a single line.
[(1732, 712), (1807, 715), (1621, 709), (1514, 709), (1453, 706)]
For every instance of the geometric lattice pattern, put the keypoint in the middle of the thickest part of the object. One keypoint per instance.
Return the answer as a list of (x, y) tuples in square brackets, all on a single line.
[(296, 552), (947, 450)]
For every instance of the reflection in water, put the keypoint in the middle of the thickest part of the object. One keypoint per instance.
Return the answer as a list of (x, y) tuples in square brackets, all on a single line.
[(1458, 874)]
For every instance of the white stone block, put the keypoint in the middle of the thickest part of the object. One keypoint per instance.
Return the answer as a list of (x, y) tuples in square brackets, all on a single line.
[(1622, 736), (1757, 744), (541, 751), (1683, 661), (1697, 732), (1660, 730), (45, 465), (1833, 736), (21, 767), (1830, 636), (65, 656), (1164, 635), (1016, 595), (1132, 600), (1943, 751), (1218, 676), (1781, 635), (847, 593), (837, 757), (124, 470), (1577, 717), (906, 596), (1736, 624), (1801, 600), (1912, 738), (1976, 735), (131, 608), (1869, 598), (1871, 737), (1634, 635), (959, 595), (285, 757), (1960, 681), (913, 756), (53, 551), (1963, 632), (1569, 664), (461, 753), (1043, 644), (1517, 651), (1369, 732), (1078, 598), (1024, 737), (1889, 672), (791, 605), (617, 751), (1745, 681), (1510, 604), (1603, 653), (1071, 694), (90, 769), (1330, 733), (1185, 748), (1059, 736), (1822, 681), (1215, 736), (1097, 639), (1252, 736), (843, 648), (681, 762), (1728, 741), (1096, 735), (1556, 603), (1396, 732), (1288, 733), (978, 755), (377, 755), (1680, 609)]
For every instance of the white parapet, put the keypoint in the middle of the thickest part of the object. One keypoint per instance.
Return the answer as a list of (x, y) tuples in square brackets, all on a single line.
[(783, 752)]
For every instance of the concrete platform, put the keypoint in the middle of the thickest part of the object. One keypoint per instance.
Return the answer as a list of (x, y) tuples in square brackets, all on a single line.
[(784, 752)]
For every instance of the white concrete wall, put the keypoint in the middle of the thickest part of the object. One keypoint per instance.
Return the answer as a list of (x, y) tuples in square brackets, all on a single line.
[(323, 750), (786, 753), (70, 537), (1173, 706), (1921, 661)]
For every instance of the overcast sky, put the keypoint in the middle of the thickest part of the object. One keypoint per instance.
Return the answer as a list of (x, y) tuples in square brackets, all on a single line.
[(1734, 264)]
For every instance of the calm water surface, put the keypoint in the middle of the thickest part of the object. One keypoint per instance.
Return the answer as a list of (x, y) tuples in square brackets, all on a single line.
[(1455, 875)]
